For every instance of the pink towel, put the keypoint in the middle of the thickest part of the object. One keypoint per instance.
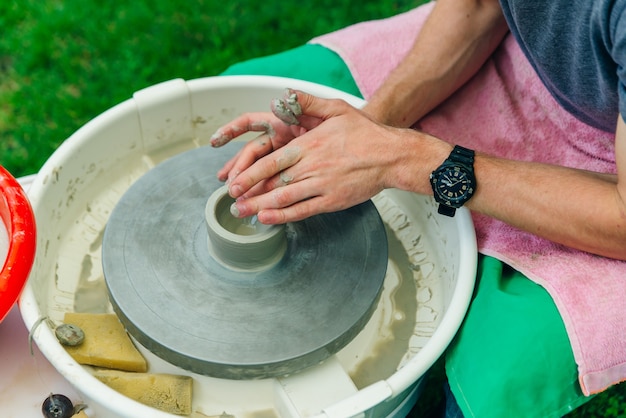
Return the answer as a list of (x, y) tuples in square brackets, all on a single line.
[(506, 111)]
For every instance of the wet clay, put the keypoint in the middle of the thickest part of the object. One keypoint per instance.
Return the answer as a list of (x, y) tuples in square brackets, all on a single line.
[(285, 178), (263, 126), (219, 138), (241, 243), (287, 109), (288, 157), (291, 100)]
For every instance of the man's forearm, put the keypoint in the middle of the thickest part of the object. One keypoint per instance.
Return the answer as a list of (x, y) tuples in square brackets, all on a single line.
[(440, 61)]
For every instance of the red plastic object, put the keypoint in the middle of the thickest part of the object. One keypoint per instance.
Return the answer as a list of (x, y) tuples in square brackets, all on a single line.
[(18, 218)]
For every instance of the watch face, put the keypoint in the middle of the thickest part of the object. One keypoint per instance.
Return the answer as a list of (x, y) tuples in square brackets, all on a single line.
[(453, 186)]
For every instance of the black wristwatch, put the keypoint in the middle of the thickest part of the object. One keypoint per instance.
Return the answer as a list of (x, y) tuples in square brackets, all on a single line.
[(453, 181)]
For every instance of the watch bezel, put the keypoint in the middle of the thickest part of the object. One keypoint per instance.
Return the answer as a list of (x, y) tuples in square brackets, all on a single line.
[(460, 196)]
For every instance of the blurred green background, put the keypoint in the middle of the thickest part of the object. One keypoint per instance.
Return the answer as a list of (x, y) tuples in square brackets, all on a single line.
[(64, 62)]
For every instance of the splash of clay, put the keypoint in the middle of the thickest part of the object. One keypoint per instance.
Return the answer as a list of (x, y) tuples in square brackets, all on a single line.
[(285, 178), (288, 157), (291, 100), (264, 126), (220, 138)]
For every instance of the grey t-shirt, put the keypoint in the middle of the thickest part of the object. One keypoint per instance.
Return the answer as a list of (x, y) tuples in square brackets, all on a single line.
[(578, 48)]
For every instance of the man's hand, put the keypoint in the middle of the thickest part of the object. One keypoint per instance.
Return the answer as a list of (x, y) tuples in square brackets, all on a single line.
[(334, 158)]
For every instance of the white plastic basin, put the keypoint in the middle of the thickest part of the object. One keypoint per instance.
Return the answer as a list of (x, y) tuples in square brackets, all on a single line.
[(77, 188)]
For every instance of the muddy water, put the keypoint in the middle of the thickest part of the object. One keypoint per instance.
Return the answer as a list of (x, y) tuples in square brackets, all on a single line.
[(387, 354), (91, 294), (411, 302)]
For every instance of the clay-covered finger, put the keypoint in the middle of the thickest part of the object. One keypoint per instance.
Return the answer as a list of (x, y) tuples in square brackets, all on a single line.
[(297, 108), (264, 204), (248, 122), (282, 111), (263, 169), (252, 151), (281, 179), (287, 108), (298, 211)]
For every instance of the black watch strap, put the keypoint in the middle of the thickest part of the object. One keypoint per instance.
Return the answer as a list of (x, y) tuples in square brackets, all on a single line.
[(462, 155), (446, 210)]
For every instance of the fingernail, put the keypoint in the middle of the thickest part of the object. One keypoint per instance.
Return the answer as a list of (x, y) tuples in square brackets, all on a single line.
[(234, 210)]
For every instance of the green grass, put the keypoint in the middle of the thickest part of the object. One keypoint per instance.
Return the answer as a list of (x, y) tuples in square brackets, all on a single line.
[(64, 62)]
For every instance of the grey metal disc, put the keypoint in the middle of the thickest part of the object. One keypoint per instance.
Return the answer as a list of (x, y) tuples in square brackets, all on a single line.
[(190, 310)]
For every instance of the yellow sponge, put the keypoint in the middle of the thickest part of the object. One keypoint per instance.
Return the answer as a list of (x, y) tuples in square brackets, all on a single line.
[(167, 392), (106, 343)]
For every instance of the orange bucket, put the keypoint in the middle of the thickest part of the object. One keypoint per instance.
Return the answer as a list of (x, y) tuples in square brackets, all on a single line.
[(19, 221)]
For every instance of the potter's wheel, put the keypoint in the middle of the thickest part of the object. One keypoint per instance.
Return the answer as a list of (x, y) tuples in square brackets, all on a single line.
[(199, 314)]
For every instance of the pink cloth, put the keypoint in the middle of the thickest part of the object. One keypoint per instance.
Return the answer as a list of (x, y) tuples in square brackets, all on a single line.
[(506, 111)]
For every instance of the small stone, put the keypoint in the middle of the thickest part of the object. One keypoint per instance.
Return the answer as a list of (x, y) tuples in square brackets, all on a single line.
[(70, 335)]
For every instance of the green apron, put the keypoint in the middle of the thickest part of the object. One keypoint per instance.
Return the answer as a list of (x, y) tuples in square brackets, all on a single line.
[(511, 357)]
